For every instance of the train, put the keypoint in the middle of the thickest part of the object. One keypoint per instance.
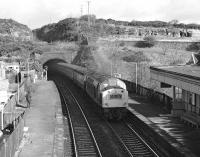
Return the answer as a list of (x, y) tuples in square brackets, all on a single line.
[(108, 92)]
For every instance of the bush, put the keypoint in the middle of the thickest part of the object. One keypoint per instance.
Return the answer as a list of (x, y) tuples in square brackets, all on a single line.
[(122, 44), (176, 62), (195, 47), (137, 57), (148, 41)]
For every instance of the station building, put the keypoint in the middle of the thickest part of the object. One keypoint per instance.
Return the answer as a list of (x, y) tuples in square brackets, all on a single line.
[(185, 82), (2, 70), (12, 66)]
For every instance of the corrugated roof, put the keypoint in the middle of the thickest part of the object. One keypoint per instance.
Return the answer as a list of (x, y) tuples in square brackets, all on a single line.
[(190, 71)]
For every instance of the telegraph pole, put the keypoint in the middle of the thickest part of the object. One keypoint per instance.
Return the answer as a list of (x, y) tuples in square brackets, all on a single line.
[(81, 10), (88, 2), (136, 75)]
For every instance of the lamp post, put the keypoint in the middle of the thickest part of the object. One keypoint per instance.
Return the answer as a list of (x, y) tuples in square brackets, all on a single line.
[(46, 68), (27, 66), (18, 81), (18, 89), (136, 76)]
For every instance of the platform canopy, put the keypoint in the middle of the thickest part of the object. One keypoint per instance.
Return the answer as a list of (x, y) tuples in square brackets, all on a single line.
[(186, 77)]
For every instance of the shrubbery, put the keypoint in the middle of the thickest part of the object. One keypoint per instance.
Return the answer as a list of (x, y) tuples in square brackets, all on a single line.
[(148, 41), (136, 57), (195, 47), (122, 44)]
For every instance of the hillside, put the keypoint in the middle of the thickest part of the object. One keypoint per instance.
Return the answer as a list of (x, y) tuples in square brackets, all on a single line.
[(62, 31), (15, 40), (72, 29), (13, 29)]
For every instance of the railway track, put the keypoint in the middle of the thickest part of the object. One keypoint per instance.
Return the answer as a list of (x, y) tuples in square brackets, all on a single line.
[(108, 144), (132, 141), (94, 136), (84, 142)]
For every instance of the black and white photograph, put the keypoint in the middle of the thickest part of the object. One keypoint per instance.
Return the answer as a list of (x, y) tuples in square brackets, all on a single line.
[(99, 78)]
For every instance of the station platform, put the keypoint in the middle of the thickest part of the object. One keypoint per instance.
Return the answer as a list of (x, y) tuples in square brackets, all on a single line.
[(44, 130), (182, 136)]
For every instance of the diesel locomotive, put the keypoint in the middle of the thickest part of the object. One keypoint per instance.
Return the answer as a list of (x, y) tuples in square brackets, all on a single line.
[(108, 92)]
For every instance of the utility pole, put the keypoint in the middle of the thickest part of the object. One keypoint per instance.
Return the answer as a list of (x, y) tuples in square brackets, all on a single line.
[(136, 75), (88, 2), (81, 10)]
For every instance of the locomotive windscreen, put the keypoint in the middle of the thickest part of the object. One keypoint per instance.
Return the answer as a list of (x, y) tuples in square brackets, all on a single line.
[(112, 82)]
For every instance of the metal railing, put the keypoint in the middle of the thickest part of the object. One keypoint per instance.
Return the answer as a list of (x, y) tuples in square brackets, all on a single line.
[(189, 108), (8, 111), (192, 108), (10, 143)]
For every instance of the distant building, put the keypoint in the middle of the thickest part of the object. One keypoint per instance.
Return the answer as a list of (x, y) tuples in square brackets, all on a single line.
[(3, 97), (185, 81), (2, 70), (12, 66), (4, 85), (195, 33)]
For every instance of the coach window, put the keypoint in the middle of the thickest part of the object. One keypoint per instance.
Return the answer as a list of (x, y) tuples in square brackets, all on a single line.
[(192, 102), (178, 94)]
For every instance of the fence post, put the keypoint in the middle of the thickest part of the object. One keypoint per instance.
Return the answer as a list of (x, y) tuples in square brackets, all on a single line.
[(136, 77), (2, 119), (4, 141)]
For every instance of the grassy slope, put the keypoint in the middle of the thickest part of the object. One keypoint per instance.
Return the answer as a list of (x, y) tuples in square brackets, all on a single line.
[(108, 57)]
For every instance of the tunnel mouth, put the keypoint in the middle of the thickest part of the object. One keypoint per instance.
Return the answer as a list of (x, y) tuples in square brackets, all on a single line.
[(53, 61), (48, 66)]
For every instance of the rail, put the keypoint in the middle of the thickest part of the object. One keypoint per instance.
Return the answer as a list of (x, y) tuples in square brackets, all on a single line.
[(84, 140), (133, 142)]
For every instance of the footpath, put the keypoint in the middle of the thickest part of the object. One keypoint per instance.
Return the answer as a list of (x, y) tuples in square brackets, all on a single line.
[(44, 131), (184, 137)]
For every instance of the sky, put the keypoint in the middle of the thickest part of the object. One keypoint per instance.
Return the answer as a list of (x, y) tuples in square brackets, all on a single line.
[(36, 13)]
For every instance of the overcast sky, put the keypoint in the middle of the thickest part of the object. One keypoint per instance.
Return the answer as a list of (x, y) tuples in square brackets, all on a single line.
[(36, 13)]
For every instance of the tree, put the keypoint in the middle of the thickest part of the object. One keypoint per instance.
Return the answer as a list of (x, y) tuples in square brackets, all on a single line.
[(173, 22), (195, 47), (148, 41)]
